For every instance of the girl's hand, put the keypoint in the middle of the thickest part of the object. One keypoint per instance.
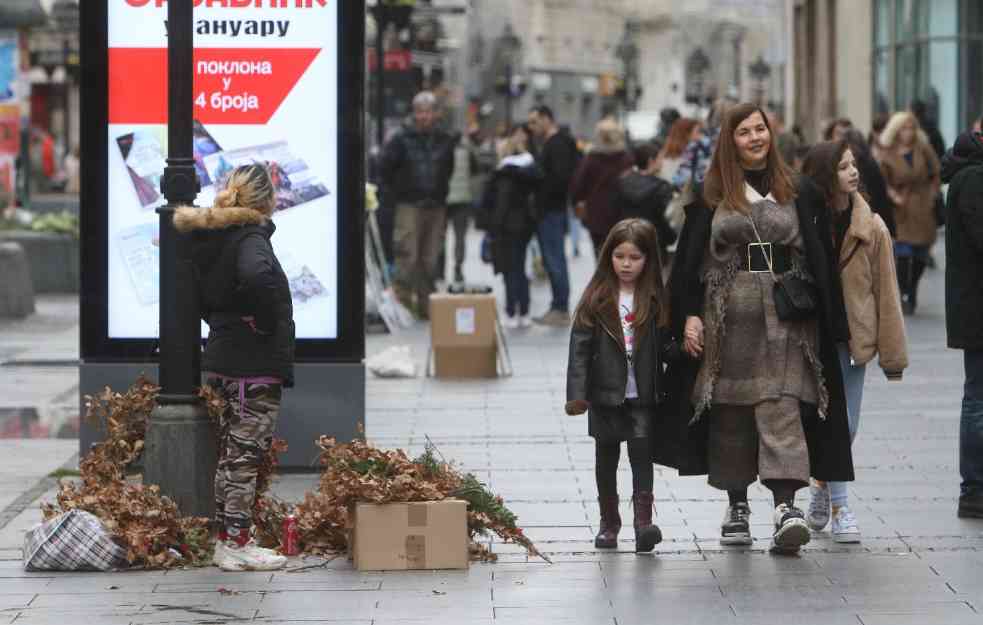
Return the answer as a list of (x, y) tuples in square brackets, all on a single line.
[(576, 407), (693, 337), (896, 196)]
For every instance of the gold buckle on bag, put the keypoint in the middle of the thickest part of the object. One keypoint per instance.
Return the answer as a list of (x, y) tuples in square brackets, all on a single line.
[(766, 253)]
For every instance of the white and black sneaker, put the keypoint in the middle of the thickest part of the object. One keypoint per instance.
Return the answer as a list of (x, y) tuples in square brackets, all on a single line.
[(791, 530), (736, 529)]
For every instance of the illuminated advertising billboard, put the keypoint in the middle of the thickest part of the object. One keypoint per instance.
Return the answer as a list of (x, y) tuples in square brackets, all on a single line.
[(270, 86)]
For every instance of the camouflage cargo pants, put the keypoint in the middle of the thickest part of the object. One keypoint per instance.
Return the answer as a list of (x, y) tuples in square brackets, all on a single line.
[(245, 434)]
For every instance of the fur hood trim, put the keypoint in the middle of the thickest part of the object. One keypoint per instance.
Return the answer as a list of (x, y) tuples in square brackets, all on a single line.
[(187, 218)]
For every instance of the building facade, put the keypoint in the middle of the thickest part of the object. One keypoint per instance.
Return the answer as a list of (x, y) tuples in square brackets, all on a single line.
[(589, 58), (861, 58)]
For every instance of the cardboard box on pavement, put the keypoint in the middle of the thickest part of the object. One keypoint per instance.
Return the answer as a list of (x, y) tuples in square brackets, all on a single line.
[(463, 335), (416, 535)]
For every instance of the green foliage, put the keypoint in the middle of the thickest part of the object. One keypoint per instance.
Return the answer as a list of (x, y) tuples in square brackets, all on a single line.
[(61, 223)]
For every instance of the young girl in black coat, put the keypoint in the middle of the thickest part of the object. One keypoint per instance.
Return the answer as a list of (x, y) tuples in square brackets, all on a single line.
[(614, 370)]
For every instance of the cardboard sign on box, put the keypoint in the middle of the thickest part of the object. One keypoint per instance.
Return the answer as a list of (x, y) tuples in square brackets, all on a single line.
[(416, 535), (462, 335)]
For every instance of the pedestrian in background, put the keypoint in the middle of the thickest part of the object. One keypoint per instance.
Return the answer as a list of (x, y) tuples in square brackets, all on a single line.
[(596, 180), (754, 376), (962, 170), (641, 193), (558, 158), (508, 215), (416, 168), (459, 202), (248, 359), (614, 372), (865, 253), (911, 171), (685, 131)]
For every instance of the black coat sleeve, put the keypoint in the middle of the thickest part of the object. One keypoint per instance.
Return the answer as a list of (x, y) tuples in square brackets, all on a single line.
[(578, 364), (255, 268), (393, 155), (660, 200), (873, 181), (685, 287), (970, 211)]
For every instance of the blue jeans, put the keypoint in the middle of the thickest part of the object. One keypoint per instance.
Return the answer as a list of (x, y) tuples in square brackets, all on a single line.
[(971, 427), (575, 228), (853, 388), (516, 280), (551, 232)]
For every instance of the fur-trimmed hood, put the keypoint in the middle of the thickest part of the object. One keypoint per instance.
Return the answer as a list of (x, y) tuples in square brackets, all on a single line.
[(188, 218)]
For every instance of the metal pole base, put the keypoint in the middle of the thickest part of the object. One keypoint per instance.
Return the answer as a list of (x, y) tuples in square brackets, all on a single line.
[(180, 456)]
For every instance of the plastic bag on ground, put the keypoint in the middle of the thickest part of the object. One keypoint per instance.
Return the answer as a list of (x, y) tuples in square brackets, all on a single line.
[(395, 362)]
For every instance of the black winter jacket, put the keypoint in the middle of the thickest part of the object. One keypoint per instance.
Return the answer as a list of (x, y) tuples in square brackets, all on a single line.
[(507, 211), (417, 166), (239, 276), (678, 442), (597, 369), (558, 159), (962, 169), (646, 197)]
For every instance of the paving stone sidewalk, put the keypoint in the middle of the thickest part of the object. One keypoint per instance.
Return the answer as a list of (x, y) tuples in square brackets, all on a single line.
[(917, 563)]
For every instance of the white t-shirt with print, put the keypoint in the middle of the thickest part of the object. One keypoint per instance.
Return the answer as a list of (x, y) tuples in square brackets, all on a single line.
[(626, 308)]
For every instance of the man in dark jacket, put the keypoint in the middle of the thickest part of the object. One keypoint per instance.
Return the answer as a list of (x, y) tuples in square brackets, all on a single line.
[(416, 168), (558, 160), (962, 169)]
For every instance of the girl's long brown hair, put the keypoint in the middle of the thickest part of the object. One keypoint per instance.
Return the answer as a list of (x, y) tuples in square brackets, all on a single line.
[(822, 165), (602, 291), (679, 135), (724, 183)]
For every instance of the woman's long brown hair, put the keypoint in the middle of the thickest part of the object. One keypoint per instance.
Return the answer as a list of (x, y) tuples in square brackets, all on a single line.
[(679, 135), (651, 301), (822, 165), (724, 183)]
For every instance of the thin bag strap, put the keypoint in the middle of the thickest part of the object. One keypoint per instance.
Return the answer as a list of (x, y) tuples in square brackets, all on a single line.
[(771, 269)]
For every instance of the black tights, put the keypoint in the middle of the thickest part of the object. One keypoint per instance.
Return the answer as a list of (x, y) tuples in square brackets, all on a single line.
[(607, 455), (783, 491)]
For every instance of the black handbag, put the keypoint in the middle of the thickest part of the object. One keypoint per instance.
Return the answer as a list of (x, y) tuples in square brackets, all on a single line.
[(795, 298)]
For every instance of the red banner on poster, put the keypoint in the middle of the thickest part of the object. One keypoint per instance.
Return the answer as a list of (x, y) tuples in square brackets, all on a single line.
[(9, 129), (232, 86)]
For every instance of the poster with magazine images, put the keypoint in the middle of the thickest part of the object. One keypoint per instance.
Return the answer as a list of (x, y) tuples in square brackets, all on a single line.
[(294, 181), (143, 153), (204, 145), (139, 247), (304, 285)]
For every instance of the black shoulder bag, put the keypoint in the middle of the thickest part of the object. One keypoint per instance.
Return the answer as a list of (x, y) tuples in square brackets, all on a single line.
[(795, 298)]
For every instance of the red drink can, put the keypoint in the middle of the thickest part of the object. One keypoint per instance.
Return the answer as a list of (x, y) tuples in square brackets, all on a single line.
[(290, 543)]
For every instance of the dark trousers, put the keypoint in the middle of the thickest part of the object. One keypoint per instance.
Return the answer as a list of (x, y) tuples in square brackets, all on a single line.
[(607, 455), (516, 281), (910, 261), (971, 426), (551, 232)]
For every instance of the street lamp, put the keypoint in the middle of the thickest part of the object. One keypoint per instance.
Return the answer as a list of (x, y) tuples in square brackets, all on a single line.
[(180, 454), (629, 54), (696, 67), (760, 71), (510, 85), (386, 13)]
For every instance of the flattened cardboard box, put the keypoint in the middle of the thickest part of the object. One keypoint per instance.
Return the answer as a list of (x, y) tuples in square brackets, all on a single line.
[(462, 334), (403, 536)]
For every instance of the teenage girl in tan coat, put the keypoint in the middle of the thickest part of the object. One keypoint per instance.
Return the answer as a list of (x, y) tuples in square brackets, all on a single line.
[(873, 306)]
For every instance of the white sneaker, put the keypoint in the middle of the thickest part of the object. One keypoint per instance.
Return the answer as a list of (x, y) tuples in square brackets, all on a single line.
[(249, 557), (219, 552), (819, 506), (845, 528), (791, 530), (511, 323), (525, 321)]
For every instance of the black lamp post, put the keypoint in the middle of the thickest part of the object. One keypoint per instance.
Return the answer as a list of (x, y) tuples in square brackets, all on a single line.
[(386, 12), (760, 71), (629, 54), (510, 48), (180, 454)]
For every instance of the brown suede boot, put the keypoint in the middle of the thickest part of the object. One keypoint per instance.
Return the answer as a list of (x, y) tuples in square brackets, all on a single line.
[(607, 535), (647, 535)]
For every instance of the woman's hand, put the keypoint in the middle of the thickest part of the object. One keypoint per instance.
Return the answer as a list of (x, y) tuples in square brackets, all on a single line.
[(693, 337), (896, 196), (576, 407)]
